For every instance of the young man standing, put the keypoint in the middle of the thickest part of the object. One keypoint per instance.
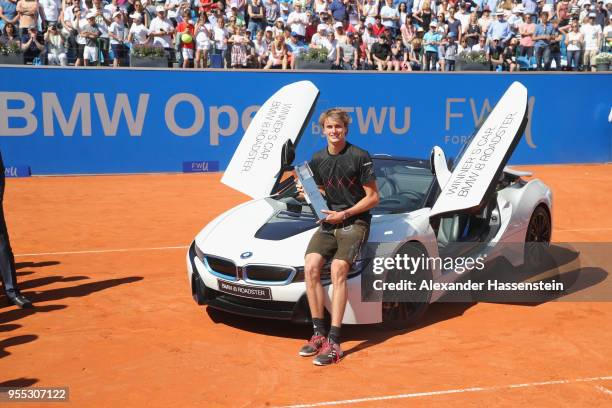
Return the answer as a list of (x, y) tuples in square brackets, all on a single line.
[(345, 175)]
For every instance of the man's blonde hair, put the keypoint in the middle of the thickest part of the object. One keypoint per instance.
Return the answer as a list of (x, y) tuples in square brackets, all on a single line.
[(337, 114)]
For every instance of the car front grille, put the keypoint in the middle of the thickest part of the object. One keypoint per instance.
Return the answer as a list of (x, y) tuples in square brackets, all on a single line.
[(221, 266), (270, 274)]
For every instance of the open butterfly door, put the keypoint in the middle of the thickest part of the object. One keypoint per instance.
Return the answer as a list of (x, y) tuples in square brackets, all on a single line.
[(256, 164), (479, 166)]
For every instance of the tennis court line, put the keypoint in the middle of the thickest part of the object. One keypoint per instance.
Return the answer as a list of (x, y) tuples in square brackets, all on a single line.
[(103, 251), (448, 392)]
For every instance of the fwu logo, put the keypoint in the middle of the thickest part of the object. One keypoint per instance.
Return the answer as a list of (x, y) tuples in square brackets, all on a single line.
[(17, 171), (200, 166)]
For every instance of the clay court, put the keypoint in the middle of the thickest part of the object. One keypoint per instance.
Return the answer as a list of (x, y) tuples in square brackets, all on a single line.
[(103, 259)]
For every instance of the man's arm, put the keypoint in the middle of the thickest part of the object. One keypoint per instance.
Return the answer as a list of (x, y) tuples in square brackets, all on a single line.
[(370, 200)]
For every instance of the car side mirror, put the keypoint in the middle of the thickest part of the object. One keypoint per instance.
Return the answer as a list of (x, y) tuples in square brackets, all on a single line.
[(287, 155)]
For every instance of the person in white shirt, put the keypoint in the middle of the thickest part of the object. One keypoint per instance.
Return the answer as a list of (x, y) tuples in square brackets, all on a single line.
[(370, 11), (592, 40), (56, 52), (172, 9), (203, 35), (51, 11), (138, 34), (162, 30), (319, 37), (390, 17), (331, 44), (118, 35), (298, 20), (220, 35), (103, 20)]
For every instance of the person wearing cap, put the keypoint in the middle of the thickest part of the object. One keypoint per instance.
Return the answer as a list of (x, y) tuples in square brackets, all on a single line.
[(317, 39), (118, 35), (278, 27), (298, 20), (543, 35), (451, 49), (592, 40), (90, 32), (339, 31), (138, 33), (431, 40), (500, 28), (272, 11), (485, 20), (161, 30)]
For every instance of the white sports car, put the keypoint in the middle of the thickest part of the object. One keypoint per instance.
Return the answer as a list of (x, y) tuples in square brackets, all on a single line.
[(249, 260)]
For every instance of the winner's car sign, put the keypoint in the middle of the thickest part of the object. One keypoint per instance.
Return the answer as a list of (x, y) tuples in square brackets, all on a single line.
[(257, 160), (481, 164)]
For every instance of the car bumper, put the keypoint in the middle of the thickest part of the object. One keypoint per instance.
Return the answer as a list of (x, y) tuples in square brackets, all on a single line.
[(297, 311)]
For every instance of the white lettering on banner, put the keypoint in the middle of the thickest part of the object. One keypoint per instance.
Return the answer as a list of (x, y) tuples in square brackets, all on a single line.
[(122, 106), (479, 118), (198, 120), (484, 111), (52, 108), (216, 129), (24, 113), (374, 118), (449, 114), (269, 131), (377, 121), (475, 160)]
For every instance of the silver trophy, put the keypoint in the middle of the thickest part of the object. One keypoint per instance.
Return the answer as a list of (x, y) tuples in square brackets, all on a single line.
[(311, 190)]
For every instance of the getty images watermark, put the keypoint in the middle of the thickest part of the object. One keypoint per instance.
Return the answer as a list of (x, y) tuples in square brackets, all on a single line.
[(508, 272)]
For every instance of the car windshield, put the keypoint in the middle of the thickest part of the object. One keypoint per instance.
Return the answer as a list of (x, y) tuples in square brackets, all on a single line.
[(403, 185)]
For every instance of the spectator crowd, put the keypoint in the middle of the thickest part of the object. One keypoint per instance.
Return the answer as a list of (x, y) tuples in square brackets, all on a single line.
[(394, 35)]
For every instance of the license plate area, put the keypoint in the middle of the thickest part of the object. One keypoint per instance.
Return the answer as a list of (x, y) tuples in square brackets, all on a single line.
[(247, 291)]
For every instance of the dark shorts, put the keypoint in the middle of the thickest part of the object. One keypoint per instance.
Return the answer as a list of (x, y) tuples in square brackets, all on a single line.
[(119, 51), (341, 242), (80, 49)]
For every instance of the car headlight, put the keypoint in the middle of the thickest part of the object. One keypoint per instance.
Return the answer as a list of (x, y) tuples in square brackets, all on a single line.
[(199, 253)]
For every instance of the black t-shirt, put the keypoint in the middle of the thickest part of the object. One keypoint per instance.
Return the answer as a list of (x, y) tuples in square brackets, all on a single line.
[(343, 176), (381, 51)]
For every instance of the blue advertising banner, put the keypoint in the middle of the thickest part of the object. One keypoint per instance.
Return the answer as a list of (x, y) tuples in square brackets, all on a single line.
[(80, 121)]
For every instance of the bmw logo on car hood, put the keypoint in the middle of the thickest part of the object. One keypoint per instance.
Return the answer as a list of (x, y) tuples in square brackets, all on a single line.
[(246, 255)]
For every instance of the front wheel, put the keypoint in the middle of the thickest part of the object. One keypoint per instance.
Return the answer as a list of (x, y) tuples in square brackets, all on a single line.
[(402, 312), (537, 239)]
